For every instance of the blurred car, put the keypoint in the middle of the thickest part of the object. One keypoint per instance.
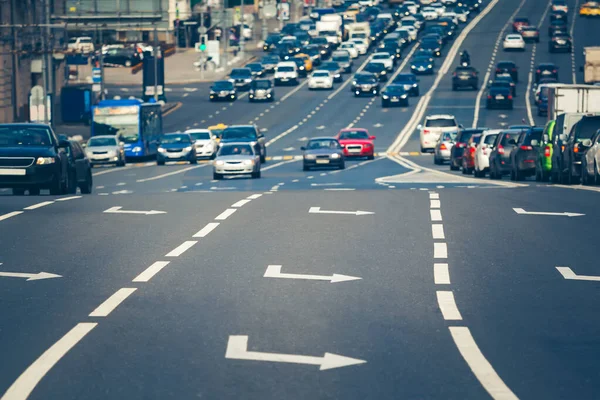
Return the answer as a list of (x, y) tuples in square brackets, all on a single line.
[(560, 5), (590, 162), (105, 149), (205, 142), (460, 144), (176, 147), (560, 42), (513, 41), (465, 77), (509, 68), (499, 97), (543, 163), (126, 57), (409, 81), (241, 78), (261, 89), (433, 45), (236, 159), (269, 63), (361, 45), (286, 73), (246, 134), (271, 41), (300, 66), (320, 79), (325, 46), (590, 9), (350, 48), (308, 64), (504, 80), (323, 152), (82, 44), (386, 59), (314, 52), (421, 65), (468, 158), (357, 142), (545, 71), (443, 148), (334, 69), (378, 69), (394, 95), (557, 25), (523, 156), (483, 151), (530, 34), (559, 16), (342, 57), (520, 22), (500, 160), (433, 127), (222, 90), (365, 83), (256, 69), (79, 169), (576, 143), (217, 130)]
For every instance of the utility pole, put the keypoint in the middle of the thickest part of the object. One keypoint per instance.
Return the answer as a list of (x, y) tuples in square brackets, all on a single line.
[(264, 20), (225, 32), (242, 29), (49, 65), (15, 62), (155, 63), (101, 65)]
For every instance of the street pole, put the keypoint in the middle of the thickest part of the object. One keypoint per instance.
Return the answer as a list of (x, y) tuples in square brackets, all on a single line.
[(242, 25), (102, 89), (264, 21), (224, 33), (15, 62), (155, 63), (49, 66)]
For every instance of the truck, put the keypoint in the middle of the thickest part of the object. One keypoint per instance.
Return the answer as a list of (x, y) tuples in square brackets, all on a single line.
[(359, 30), (331, 26), (591, 68), (572, 99)]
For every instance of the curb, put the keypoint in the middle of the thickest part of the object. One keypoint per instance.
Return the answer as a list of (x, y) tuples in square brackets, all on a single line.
[(188, 81)]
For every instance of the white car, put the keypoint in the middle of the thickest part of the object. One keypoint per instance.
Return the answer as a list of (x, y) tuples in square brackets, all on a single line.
[(513, 41), (415, 22), (413, 7), (286, 72), (247, 32), (105, 149), (366, 3), (462, 14), (433, 127), (361, 45), (385, 58), (483, 151), (439, 7), (82, 44), (350, 48), (429, 13), (452, 15), (320, 79), (204, 142), (412, 31), (443, 148)]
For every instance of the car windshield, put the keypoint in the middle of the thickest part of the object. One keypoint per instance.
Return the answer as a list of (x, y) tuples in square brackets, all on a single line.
[(285, 69), (262, 84), (490, 139), (175, 139), (323, 144), (587, 128), (534, 134), (375, 67), (241, 73), (223, 85), (321, 75), (421, 59), (341, 58), (270, 60), (506, 65), (395, 89), (239, 133), (498, 84), (24, 136), (200, 135), (440, 123), (236, 149), (254, 67), (354, 135), (364, 78), (100, 141), (463, 71), (381, 57), (405, 78)]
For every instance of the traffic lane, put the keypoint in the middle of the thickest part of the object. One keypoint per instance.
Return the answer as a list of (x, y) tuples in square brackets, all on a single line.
[(186, 314), (537, 329)]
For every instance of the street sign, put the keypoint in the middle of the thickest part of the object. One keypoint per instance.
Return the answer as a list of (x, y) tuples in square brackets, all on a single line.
[(96, 75), (283, 11)]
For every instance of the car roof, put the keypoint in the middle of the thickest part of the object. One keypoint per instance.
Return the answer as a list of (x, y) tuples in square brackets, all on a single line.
[(506, 62), (547, 64), (440, 116), (323, 138), (197, 130), (104, 136)]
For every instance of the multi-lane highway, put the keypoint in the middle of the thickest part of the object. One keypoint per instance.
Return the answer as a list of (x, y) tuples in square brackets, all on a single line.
[(391, 279)]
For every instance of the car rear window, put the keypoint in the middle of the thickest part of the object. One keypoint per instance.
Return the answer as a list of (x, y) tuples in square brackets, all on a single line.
[(587, 127), (476, 139), (535, 134), (507, 137), (440, 123), (285, 69), (464, 136), (490, 139)]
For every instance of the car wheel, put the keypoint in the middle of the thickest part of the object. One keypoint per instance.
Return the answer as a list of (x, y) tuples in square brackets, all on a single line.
[(216, 176), (55, 187), (86, 187), (454, 88), (371, 157), (122, 163), (305, 168), (256, 175), (343, 165), (18, 192), (585, 178), (160, 162), (538, 174), (194, 160), (72, 183)]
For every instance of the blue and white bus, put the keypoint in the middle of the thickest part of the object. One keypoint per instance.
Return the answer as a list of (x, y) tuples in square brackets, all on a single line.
[(138, 124)]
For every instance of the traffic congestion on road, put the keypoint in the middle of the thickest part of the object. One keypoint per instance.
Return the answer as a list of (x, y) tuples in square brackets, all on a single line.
[(391, 200)]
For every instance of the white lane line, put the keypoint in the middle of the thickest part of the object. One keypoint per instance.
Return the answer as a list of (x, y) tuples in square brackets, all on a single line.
[(339, 189), (206, 230), (182, 248), (434, 195), (437, 231), (151, 271), (39, 205), (275, 188), (283, 134), (225, 214), (441, 275), (69, 198), (278, 164), (434, 204), (440, 250), (121, 184), (241, 203), (99, 187), (28, 380), (436, 215), (255, 196), (448, 305), (180, 171), (479, 365), (284, 98), (10, 214), (104, 309)]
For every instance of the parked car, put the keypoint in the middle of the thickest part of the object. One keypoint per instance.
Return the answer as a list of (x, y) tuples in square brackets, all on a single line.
[(237, 159), (323, 152), (500, 160), (483, 151), (443, 148), (468, 158), (82, 44), (460, 144), (523, 156)]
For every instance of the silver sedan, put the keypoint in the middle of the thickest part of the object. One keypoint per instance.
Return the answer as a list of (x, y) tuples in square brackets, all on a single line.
[(443, 148), (236, 159)]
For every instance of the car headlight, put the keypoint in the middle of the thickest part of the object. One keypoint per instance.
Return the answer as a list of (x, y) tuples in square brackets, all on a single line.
[(248, 80), (301, 68), (232, 92), (415, 84), (251, 91), (212, 91), (385, 97), (253, 143), (314, 15), (189, 148), (335, 155), (89, 154), (310, 156), (413, 67), (137, 149), (403, 96), (337, 76), (354, 83), (45, 160), (161, 150), (249, 162), (383, 72), (219, 162), (430, 66)]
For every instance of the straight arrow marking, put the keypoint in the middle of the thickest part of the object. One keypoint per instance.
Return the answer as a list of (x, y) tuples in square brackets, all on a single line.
[(317, 210), (521, 211), (274, 271), (568, 273), (117, 210), (237, 349)]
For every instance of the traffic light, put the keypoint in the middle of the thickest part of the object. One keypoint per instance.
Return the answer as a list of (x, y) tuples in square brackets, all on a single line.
[(203, 40)]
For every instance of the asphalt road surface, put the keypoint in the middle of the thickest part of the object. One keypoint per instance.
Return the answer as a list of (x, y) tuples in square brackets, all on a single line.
[(391, 279)]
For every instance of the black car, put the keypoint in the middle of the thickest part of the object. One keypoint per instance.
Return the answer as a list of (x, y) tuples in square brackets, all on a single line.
[(176, 147), (303, 37), (545, 71), (401, 12), (261, 89), (524, 155), (290, 28), (465, 77), (503, 80), (392, 49), (560, 42), (558, 25), (256, 69), (500, 159), (409, 81), (499, 97), (127, 56), (33, 158), (246, 133), (378, 69), (314, 52), (334, 68), (223, 90), (403, 38), (508, 68), (365, 83), (269, 63), (284, 51), (501, 83), (461, 141), (271, 41), (80, 169), (323, 152), (324, 45), (300, 66), (433, 45), (422, 65), (575, 147), (241, 77), (394, 95), (559, 16)]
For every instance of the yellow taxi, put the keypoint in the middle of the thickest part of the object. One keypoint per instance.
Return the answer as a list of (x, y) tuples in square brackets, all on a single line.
[(308, 64), (590, 9), (217, 130)]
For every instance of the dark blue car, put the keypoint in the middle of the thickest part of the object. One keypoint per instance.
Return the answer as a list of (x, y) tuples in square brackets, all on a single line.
[(409, 81), (176, 147), (421, 65)]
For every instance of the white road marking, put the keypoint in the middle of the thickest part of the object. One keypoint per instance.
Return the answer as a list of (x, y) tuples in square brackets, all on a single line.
[(434, 195), (103, 194), (39, 205), (274, 271), (434, 204), (99, 187), (437, 231), (436, 215), (255, 196), (317, 210), (521, 211), (479, 365), (326, 184), (339, 189), (568, 273), (180, 171), (206, 230), (226, 214), (10, 214), (30, 277), (448, 306), (28, 380), (118, 210), (278, 164), (441, 275), (109, 305), (241, 203), (69, 198), (151, 271), (182, 248), (440, 250)]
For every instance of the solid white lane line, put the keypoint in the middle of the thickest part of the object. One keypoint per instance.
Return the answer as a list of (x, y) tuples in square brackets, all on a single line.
[(434, 195), (179, 171), (448, 305), (206, 230), (69, 198), (278, 164), (27, 381), (104, 309), (241, 203), (151, 271), (255, 196), (440, 250), (434, 204), (182, 248), (480, 366), (441, 275), (38, 205), (339, 189), (436, 215), (9, 215), (437, 231), (225, 214)]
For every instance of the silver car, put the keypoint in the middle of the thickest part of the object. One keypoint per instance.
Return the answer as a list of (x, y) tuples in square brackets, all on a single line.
[(236, 159), (105, 149), (443, 148)]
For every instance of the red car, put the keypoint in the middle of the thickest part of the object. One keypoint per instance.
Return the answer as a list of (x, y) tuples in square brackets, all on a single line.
[(519, 23), (357, 143)]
